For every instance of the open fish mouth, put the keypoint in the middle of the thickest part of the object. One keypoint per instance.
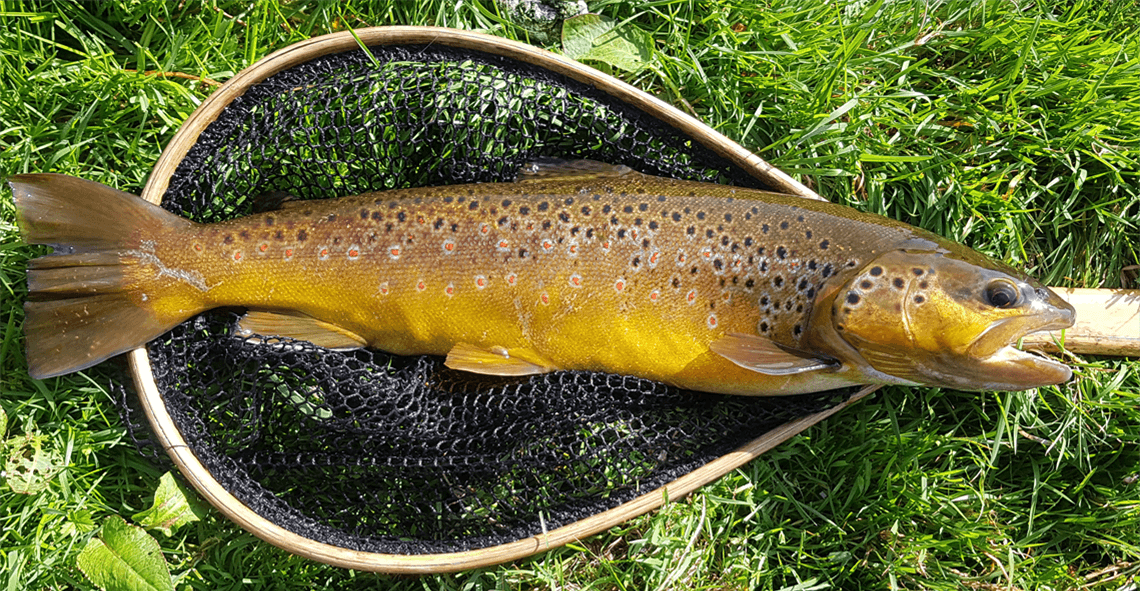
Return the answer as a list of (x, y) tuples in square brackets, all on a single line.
[(1013, 368)]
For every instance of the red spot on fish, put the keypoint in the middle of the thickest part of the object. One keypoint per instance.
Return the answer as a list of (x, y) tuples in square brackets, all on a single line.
[(654, 295), (619, 285), (512, 278), (448, 246), (712, 321), (547, 245), (394, 252), (480, 281), (691, 296), (504, 245), (384, 288), (653, 258), (707, 253), (288, 253), (421, 219), (197, 247), (420, 285), (681, 258), (576, 280), (573, 249), (353, 253), (633, 234), (484, 229), (449, 290), (262, 247), (237, 255), (324, 254), (606, 245), (544, 297)]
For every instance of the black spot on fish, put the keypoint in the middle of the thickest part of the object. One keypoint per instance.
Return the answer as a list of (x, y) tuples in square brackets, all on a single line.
[(691, 230), (866, 284), (523, 253), (700, 215), (454, 227), (709, 233), (653, 225), (718, 264), (764, 266), (279, 235), (589, 232), (728, 217), (826, 272), (781, 252), (899, 283), (676, 217), (448, 199), (764, 301), (574, 231), (229, 239), (788, 305), (470, 191), (797, 330), (735, 247), (764, 228), (607, 209), (722, 282), (735, 280), (803, 285), (628, 209), (783, 225), (636, 262), (778, 281), (812, 265), (800, 218), (302, 236), (569, 201), (661, 199), (917, 272), (524, 210), (676, 282), (687, 210), (693, 271), (438, 223), (543, 206), (402, 216), (810, 293), (876, 271), (824, 244), (336, 240), (642, 207), (852, 298), (506, 202), (331, 217), (364, 214), (645, 243), (244, 234), (637, 222), (269, 220), (614, 221), (919, 299), (585, 210), (564, 217), (724, 241), (923, 285), (377, 216), (747, 241), (503, 221), (546, 224), (749, 283), (621, 233), (388, 227), (763, 327)]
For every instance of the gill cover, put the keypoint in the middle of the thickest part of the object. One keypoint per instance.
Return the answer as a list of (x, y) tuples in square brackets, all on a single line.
[(950, 319)]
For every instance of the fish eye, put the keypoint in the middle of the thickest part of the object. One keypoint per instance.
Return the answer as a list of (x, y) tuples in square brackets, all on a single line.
[(1002, 294)]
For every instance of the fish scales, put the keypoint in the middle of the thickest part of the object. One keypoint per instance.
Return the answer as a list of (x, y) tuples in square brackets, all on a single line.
[(623, 273)]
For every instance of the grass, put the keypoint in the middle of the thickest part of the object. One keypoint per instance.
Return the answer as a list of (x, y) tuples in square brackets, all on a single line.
[(1014, 128)]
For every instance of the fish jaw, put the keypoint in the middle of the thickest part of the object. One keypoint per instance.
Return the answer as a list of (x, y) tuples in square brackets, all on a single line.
[(997, 351)]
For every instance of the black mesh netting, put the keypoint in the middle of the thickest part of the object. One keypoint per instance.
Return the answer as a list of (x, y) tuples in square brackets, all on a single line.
[(400, 455)]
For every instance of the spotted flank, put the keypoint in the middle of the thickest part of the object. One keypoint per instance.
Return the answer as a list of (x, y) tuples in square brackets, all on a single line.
[(579, 265)]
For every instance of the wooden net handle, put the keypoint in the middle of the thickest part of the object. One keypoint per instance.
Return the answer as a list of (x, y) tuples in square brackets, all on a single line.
[(1108, 323)]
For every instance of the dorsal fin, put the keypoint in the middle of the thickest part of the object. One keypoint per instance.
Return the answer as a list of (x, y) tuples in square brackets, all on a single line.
[(274, 200), (547, 168), (764, 356)]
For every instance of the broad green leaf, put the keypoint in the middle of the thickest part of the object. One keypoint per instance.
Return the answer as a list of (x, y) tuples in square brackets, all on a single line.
[(173, 507), (29, 467), (592, 37), (125, 558)]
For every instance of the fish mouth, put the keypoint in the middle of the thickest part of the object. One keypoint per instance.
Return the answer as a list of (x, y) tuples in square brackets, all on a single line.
[(1013, 368)]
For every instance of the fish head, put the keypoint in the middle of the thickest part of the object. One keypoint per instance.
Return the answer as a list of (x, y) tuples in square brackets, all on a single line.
[(949, 318)]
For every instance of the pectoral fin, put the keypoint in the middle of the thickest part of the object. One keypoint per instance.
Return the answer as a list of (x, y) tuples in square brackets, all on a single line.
[(497, 361), (762, 355), (299, 326)]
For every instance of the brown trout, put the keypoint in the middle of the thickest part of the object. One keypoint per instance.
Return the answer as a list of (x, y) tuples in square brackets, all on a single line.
[(579, 265)]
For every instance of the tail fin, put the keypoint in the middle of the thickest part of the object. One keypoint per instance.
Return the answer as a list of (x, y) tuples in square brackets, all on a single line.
[(83, 305)]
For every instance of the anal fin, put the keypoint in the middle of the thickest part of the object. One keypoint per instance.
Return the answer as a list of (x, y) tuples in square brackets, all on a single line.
[(303, 327), (497, 361), (764, 356)]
